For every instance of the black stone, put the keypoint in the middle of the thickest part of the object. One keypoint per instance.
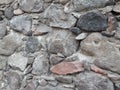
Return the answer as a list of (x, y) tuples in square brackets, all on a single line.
[(93, 21)]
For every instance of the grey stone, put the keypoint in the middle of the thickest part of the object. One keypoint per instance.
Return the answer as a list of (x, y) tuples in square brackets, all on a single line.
[(81, 36), (75, 30), (32, 45), (93, 81), (3, 30), (6, 1), (97, 45), (64, 79), (18, 61), (52, 88), (3, 62), (117, 85), (92, 21), (21, 24), (116, 8), (110, 62), (43, 82), (31, 5), (80, 5), (9, 12), (1, 75), (41, 29), (54, 59), (117, 34), (62, 41), (13, 80), (57, 17), (40, 64)]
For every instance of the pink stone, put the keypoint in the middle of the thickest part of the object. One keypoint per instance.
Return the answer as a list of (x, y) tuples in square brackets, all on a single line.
[(64, 68)]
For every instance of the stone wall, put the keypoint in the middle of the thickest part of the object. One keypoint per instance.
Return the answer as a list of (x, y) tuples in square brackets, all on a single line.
[(59, 45)]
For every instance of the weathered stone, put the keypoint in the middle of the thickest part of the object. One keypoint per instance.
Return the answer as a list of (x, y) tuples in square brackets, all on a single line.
[(18, 11), (40, 64), (97, 45), (30, 86), (9, 43), (21, 24), (64, 68), (55, 59), (3, 30), (110, 62), (117, 34), (52, 88), (64, 79), (80, 5), (6, 1), (75, 30), (93, 81), (41, 29), (17, 61), (58, 18), (9, 12), (42, 82), (81, 36), (3, 62), (62, 41), (117, 85), (112, 25), (1, 75), (116, 8), (92, 21), (32, 45), (13, 79), (31, 5)]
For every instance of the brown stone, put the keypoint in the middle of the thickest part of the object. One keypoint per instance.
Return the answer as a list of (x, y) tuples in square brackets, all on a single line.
[(68, 68)]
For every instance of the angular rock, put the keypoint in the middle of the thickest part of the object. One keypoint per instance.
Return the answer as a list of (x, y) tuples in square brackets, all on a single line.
[(81, 36), (18, 61), (43, 82), (32, 45), (75, 30), (64, 79), (13, 79), (64, 68), (80, 5), (21, 24), (40, 64), (31, 5), (57, 18), (55, 59), (10, 43), (30, 86), (9, 12), (41, 29), (116, 8), (3, 30), (93, 21), (62, 41), (6, 1), (110, 63), (92, 81)]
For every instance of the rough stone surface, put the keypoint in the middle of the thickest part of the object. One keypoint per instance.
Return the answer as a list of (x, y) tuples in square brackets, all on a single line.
[(13, 79), (92, 81), (92, 21), (3, 62), (58, 18), (18, 61), (9, 12), (40, 64), (21, 24), (64, 68), (62, 42), (6, 1), (32, 45), (31, 5), (3, 30)]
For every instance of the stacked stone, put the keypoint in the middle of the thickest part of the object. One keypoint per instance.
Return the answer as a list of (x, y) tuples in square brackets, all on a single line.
[(59, 45)]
